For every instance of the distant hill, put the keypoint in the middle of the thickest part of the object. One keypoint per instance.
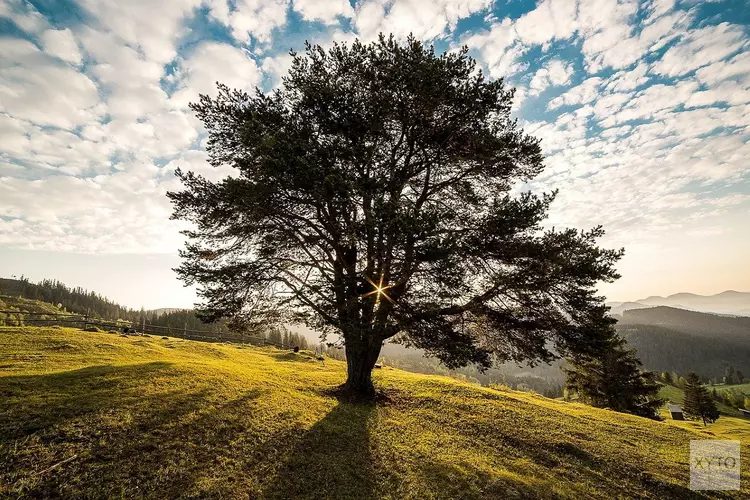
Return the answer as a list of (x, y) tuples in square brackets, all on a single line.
[(619, 307), (668, 338), (728, 302)]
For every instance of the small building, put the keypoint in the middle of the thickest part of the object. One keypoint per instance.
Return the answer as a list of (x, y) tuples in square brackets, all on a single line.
[(676, 412)]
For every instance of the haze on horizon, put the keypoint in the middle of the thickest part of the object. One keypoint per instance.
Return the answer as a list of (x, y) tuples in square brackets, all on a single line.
[(643, 109)]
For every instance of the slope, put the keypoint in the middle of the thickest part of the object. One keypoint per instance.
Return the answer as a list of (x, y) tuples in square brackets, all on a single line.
[(156, 418)]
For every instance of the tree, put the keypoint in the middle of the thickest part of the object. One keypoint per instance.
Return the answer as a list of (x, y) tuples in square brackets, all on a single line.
[(681, 383), (739, 376), (666, 377), (747, 402), (371, 197), (729, 375), (615, 381), (698, 402)]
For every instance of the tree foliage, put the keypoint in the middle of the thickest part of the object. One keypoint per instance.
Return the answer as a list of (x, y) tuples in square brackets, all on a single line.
[(614, 380), (698, 402), (373, 196)]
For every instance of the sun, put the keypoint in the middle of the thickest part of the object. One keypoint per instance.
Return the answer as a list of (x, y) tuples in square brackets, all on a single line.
[(379, 289)]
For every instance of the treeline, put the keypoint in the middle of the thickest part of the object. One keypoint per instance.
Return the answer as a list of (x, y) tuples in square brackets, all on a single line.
[(74, 300), (660, 348)]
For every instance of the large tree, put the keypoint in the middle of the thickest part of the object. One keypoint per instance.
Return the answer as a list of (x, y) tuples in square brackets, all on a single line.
[(376, 194)]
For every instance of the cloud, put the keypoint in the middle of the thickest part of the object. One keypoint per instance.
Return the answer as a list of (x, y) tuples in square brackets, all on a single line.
[(212, 62), (700, 48), (552, 74), (37, 88), (583, 93), (422, 18), (649, 135), (61, 44), (249, 19), (327, 11)]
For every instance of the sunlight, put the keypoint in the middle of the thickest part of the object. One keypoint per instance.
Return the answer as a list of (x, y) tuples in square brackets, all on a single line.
[(379, 289)]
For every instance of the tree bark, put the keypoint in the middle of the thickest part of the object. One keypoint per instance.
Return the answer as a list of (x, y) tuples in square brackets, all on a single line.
[(360, 360)]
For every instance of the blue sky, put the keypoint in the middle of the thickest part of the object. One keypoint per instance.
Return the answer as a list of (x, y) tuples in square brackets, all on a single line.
[(643, 109)]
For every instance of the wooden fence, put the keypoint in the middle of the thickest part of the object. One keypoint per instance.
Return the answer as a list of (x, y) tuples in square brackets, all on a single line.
[(16, 318)]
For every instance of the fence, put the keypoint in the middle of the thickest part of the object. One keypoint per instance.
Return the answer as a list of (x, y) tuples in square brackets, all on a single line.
[(16, 318)]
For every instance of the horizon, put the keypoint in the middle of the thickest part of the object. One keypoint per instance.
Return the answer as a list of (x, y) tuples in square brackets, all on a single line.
[(642, 108)]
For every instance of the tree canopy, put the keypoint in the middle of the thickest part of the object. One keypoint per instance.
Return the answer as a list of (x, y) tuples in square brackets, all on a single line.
[(375, 194)]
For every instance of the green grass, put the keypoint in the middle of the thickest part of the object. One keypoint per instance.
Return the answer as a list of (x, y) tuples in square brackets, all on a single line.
[(151, 418), (743, 388), (20, 304), (677, 395)]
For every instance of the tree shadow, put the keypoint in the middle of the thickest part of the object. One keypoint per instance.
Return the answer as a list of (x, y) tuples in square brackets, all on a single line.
[(332, 460)]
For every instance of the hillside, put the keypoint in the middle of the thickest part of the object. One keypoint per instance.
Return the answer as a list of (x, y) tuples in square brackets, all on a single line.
[(672, 339), (135, 416)]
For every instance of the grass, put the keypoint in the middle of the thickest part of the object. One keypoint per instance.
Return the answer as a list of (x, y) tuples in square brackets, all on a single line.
[(677, 395), (151, 418)]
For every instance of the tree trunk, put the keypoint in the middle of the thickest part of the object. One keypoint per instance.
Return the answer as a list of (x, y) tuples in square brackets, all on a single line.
[(360, 360)]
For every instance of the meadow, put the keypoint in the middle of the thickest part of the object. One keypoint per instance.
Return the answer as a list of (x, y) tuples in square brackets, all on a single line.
[(100, 415)]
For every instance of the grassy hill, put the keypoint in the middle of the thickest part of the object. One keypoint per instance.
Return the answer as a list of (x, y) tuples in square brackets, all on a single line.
[(133, 417)]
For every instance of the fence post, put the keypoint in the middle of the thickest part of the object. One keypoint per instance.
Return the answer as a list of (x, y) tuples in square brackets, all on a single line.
[(85, 321)]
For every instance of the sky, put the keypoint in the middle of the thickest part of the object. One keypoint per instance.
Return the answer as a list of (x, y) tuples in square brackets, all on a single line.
[(643, 109)]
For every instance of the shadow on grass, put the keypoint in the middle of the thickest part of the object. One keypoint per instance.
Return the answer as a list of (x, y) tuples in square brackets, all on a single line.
[(331, 460), (131, 436)]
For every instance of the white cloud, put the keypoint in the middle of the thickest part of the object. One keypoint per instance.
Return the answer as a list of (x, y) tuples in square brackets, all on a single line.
[(250, 18), (61, 44), (554, 73), (36, 88), (583, 93), (422, 18), (323, 10), (736, 67), (211, 62), (699, 48)]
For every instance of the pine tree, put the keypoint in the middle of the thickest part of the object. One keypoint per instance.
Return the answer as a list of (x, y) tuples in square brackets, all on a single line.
[(666, 377), (739, 376), (698, 402), (729, 375), (614, 380)]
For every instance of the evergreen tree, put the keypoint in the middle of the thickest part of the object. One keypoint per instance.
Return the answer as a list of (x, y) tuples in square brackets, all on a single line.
[(681, 383), (729, 375), (666, 377), (614, 380), (739, 377), (697, 402), (374, 194), (675, 379)]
